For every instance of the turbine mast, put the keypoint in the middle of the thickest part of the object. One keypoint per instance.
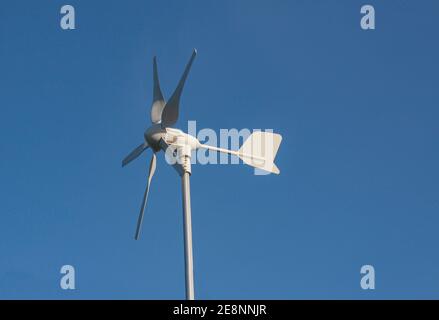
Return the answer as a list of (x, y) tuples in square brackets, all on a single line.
[(184, 158), (187, 225)]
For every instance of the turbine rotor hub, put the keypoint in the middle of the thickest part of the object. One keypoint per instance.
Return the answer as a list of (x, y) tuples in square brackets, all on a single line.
[(153, 135)]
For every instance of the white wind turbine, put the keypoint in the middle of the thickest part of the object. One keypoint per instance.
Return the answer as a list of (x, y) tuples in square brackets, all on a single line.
[(259, 151)]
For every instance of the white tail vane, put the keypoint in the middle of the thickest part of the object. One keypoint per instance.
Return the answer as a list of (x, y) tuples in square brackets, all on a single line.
[(258, 151)]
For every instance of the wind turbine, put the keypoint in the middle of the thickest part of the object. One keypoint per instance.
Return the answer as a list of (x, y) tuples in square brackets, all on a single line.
[(259, 151)]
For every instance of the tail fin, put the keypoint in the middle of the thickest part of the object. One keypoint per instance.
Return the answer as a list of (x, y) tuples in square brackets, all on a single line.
[(260, 149)]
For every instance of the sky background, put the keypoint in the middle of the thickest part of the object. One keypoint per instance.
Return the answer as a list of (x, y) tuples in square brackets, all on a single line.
[(358, 111)]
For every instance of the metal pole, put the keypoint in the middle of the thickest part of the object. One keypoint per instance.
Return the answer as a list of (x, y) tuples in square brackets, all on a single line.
[(187, 224)]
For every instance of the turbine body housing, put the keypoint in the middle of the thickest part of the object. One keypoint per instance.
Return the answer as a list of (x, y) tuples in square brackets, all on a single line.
[(184, 144)]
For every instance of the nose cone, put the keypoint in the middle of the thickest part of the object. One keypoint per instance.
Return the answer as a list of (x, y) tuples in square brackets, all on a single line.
[(153, 135)]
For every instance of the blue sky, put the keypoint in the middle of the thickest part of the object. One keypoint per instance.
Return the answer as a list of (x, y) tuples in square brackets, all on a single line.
[(358, 111)]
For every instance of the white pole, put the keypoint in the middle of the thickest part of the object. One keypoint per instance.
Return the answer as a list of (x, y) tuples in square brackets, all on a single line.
[(184, 159), (187, 224)]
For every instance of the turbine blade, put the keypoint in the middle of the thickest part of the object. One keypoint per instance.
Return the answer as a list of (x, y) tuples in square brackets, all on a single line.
[(158, 102), (170, 111), (152, 167), (134, 154)]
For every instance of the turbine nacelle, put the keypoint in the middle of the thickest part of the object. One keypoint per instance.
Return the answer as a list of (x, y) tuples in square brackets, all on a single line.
[(179, 139)]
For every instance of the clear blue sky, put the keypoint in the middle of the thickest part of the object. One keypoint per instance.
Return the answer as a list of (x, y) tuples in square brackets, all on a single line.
[(358, 111)]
